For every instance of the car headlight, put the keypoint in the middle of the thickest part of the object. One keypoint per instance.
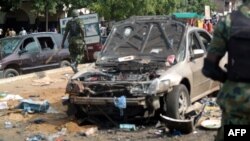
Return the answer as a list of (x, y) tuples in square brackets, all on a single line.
[(158, 86)]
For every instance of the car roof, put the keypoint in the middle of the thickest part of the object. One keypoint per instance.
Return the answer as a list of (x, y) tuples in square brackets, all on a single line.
[(33, 34)]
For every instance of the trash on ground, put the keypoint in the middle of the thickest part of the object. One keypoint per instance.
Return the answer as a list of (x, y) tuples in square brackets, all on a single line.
[(89, 131), (176, 132), (184, 126), (8, 124), (128, 127), (58, 135), (10, 97), (3, 94), (194, 109), (36, 137), (3, 105), (31, 106), (211, 124), (159, 132)]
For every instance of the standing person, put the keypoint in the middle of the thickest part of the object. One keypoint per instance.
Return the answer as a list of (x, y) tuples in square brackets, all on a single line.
[(23, 31), (1, 32), (210, 27), (205, 25), (75, 33), (231, 35), (12, 32), (7, 33)]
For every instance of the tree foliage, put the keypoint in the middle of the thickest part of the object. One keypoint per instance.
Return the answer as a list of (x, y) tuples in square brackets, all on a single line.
[(195, 5), (10, 5), (116, 9)]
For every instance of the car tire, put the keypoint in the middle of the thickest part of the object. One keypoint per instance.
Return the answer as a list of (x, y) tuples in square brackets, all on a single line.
[(10, 73), (64, 63), (177, 101)]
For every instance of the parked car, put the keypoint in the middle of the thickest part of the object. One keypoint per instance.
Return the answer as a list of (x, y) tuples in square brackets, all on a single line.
[(149, 65), (32, 52)]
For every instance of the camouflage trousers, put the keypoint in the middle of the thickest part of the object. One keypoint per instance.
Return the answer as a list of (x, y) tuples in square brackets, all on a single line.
[(76, 49), (234, 101)]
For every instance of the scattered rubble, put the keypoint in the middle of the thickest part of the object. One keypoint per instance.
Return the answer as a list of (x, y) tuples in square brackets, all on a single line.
[(56, 126)]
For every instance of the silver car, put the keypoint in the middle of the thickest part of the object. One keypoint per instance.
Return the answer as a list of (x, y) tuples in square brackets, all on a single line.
[(149, 65)]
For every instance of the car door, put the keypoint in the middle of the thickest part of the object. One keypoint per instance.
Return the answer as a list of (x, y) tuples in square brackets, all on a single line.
[(29, 55), (201, 83), (49, 51), (205, 40)]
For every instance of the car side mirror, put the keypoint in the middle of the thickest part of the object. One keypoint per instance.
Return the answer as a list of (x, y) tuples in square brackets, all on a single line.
[(22, 51), (197, 53)]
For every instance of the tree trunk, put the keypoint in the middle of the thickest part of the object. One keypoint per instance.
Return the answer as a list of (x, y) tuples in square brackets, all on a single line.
[(47, 16)]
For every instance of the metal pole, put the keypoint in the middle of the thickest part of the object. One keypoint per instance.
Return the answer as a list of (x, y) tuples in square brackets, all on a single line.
[(47, 15), (224, 4)]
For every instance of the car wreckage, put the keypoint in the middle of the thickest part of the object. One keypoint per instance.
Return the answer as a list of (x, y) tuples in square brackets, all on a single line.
[(149, 65)]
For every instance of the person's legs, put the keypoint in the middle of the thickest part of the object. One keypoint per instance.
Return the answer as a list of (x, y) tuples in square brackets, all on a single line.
[(73, 55)]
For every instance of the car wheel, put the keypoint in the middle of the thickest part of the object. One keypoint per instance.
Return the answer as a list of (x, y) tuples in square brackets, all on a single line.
[(64, 63), (177, 101), (10, 73)]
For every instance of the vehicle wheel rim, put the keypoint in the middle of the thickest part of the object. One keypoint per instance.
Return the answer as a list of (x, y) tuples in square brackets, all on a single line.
[(11, 75), (183, 104)]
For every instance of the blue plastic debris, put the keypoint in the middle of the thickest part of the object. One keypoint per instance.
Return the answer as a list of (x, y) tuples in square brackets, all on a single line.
[(30, 106), (128, 127), (120, 103), (176, 133)]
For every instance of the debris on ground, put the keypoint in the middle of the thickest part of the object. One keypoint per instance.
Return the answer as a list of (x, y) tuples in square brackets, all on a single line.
[(211, 124), (184, 126), (36, 137), (7, 97), (31, 106), (88, 131), (3, 105), (128, 127)]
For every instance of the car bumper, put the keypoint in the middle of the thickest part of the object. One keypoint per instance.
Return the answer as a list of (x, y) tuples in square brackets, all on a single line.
[(140, 101)]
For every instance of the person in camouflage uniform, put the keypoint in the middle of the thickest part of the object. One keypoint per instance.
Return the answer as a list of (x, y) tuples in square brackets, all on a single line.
[(75, 33), (232, 35)]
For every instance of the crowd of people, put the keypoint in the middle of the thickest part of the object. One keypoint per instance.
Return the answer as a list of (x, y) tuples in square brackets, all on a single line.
[(207, 24), (11, 32)]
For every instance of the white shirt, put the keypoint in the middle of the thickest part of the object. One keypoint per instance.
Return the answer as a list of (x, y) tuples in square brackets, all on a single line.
[(23, 32)]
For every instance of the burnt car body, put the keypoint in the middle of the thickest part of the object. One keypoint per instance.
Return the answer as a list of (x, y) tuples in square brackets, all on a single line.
[(149, 65), (31, 53)]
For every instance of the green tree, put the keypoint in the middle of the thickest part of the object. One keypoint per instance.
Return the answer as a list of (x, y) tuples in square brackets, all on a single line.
[(45, 7), (120, 9), (195, 6), (9, 5)]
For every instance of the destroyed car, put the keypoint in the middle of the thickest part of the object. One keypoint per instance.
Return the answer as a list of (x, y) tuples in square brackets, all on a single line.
[(149, 65)]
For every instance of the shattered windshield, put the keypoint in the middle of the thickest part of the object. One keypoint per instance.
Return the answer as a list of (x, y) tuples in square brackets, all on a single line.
[(159, 38), (8, 45)]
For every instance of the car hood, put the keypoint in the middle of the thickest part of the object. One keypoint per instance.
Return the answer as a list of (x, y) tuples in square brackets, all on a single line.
[(139, 37)]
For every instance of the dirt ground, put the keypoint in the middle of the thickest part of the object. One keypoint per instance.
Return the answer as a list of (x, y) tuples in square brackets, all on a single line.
[(54, 125)]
